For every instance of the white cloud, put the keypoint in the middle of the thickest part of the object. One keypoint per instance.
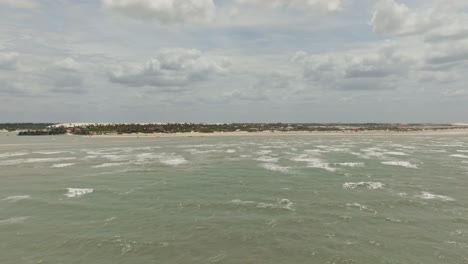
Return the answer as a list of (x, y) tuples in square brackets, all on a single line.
[(27, 4), (8, 60), (390, 17), (318, 5), (376, 66), (165, 11), (68, 64), (171, 67)]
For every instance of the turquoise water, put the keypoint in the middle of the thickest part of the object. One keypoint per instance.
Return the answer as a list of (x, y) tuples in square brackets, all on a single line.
[(255, 199)]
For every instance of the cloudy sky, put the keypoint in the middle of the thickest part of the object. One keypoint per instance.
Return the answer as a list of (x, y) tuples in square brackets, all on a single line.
[(234, 60)]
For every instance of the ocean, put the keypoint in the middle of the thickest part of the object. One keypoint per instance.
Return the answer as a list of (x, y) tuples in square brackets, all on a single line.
[(234, 199)]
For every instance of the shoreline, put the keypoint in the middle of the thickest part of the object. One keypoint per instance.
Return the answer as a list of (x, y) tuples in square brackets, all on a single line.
[(451, 132)]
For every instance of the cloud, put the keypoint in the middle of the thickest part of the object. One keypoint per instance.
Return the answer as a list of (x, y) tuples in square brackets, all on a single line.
[(68, 64), (164, 11), (26, 4), (314, 5), (390, 17), (9, 60), (375, 67), (171, 68)]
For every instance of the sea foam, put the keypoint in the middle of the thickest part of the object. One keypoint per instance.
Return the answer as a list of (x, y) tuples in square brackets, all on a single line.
[(14, 220), (77, 192), (280, 204), (459, 156), (268, 159), (16, 198), (172, 160), (351, 164), (405, 164), (62, 165), (112, 164), (33, 160), (431, 196), (275, 167), (368, 185)]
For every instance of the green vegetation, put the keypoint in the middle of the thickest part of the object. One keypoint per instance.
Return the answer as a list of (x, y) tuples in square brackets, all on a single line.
[(103, 129), (44, 132), (24, 126)]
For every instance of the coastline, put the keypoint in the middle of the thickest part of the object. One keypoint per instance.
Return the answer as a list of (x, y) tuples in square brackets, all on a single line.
[(451, 132)]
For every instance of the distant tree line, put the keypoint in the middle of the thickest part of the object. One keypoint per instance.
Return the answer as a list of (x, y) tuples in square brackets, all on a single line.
[(102, 129)]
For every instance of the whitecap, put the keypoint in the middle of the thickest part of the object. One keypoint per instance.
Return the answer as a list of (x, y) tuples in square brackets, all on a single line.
[(396, 153), (112, 164), (12, 154), (459, 156), (113, 157), (368, 185), (62, 165), (405, 164), (14, 220), (351, 164), (431, 196), (172, 160), (16, 198), (275, 167), (268, 159), (313, 162), (52, 152), (264, 152), (231, 151), (77, 192), (280, 204), (33, 160)]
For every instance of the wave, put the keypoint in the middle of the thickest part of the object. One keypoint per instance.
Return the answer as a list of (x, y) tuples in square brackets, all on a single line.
[(267, 159), (52, 152), (14, 220), (62, 165), (33, 160), (361, 207), (280, 204), (431, 196), (77, 192), (275, 167), (462, 151), (396, 153), (264, 152), (231, 151), (12, 154), (172, 160), (368, 185), (351, 164), (16, 198), (112, 164), (405, 164), (313, 162), (459, 156)]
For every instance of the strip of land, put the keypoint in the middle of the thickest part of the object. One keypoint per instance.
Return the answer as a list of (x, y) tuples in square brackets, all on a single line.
[(232, 129)]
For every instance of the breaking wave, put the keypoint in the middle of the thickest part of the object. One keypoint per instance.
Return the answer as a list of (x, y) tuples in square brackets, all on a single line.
[(368, 185), (351, 164), (431, 196), (33, 160), (16, 198), (77, 192), (405, 164), (62, 165), (275, 167), (14, 220), (280, 204)]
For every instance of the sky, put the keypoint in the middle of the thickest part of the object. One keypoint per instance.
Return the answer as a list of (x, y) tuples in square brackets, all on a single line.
[(234, 61)]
